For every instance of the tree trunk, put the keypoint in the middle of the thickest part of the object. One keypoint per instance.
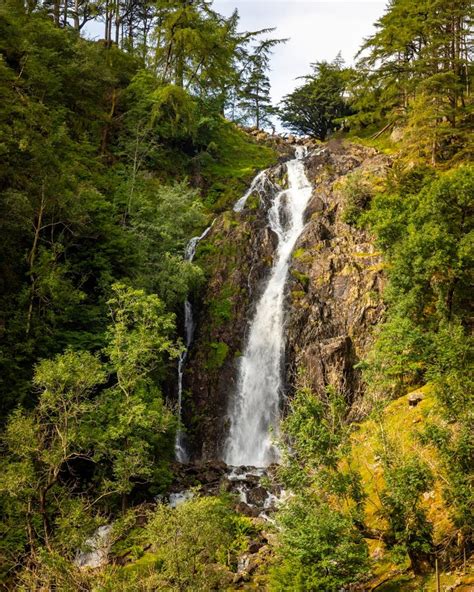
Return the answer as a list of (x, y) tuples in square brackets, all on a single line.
[(32, 257), (117, 21), (44, 517), (76, 15), (56, 12), (105, 131)]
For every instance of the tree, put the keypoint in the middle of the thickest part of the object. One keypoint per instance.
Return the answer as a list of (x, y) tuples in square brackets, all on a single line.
[(409, 530), (315, 107), (164, 219), (134, 428), (194, 47), (253, 91), (425, 235), (418, 62), (42, 444), (320, 549), (321, 544), (191, 541)]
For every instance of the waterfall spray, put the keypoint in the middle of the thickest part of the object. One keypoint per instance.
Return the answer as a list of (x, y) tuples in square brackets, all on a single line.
[(254, 411)]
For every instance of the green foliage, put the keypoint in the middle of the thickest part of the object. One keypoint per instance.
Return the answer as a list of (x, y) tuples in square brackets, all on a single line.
[(315, 107), (217, 355), (409, 529), (253, 95), (357, 193), (451, 373), (239, 157), (320, 548), (190, 542), (96, 149), (41, 444), (315, 428), (221, 308), (424, 225), (413, 71), (123, 433), (135, 429), (426, 237)]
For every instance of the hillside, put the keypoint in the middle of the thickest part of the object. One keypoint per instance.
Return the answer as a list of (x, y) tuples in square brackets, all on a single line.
[(232, 359)]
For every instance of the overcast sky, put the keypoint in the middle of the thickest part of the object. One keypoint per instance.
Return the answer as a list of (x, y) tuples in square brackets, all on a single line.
[(316, 30)]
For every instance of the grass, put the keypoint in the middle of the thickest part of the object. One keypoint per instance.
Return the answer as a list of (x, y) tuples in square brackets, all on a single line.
[(238, 157), (365, 137), (401, 425)]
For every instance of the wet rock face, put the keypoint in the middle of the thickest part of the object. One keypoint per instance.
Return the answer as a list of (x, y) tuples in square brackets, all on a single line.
[(256, 492), (236, 256), (336, 281), (333, 291)]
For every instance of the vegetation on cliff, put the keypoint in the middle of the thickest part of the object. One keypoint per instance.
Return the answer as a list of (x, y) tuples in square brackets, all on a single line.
[(114, 154)]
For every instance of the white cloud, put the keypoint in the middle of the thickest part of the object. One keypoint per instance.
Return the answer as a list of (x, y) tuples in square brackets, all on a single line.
[(316, 30)]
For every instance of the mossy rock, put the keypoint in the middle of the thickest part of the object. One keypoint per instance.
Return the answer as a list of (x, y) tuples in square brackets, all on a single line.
[(303, 278), (217, 355)]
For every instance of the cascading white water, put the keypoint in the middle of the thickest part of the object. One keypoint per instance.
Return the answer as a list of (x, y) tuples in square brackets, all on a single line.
[(190, 251), (257, 185), (254, 411)]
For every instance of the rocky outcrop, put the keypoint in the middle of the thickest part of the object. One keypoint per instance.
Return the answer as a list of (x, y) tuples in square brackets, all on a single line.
[(333, 294), (336, 279)]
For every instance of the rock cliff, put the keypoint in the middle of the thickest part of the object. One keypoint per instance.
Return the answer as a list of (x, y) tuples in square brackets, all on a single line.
[(333, 294)]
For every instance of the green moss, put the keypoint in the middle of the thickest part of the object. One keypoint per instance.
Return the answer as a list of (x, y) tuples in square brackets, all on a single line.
[(301, 277), (237, 159), (367, 255), (302, 255), (221, 310), (217, 354), (221, 307), (297, 294), (149, 562), (253, 202)]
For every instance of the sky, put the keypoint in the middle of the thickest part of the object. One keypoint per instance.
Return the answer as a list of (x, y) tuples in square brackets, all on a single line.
[(316, 30)]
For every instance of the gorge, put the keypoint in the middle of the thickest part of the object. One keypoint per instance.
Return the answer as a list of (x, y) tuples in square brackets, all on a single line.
[(320, 310)]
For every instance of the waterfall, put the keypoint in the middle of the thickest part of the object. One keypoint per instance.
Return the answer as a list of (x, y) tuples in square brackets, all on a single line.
[(257, 185), (189, 252), (254, 411)]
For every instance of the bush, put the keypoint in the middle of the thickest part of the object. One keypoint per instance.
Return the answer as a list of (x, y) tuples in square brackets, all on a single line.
[(320, 549), (357, 193)]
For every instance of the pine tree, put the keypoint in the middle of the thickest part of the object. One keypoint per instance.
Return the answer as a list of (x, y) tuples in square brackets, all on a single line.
[(255, 102), (315, 107), (419, 64)]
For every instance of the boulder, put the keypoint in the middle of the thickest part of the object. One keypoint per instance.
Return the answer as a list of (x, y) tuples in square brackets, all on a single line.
[(414, 399), (257, 496)]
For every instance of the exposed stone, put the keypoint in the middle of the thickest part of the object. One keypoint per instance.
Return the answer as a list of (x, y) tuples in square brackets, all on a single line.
[(397, 134), (247, 510), (257, 495), (414, 399), (334, 289), (331, 319), (255, 546)]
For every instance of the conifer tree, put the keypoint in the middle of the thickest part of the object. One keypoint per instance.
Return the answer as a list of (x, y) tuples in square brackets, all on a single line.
[(315, 107)]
